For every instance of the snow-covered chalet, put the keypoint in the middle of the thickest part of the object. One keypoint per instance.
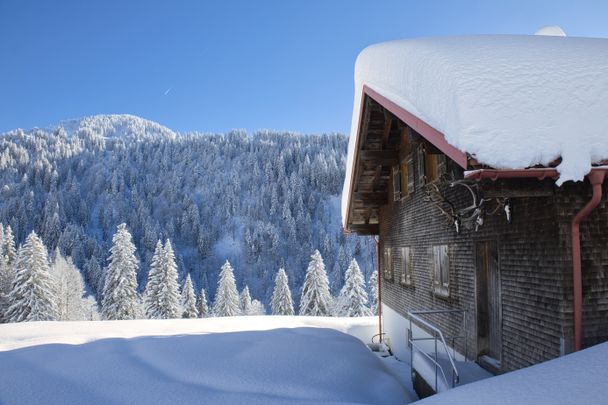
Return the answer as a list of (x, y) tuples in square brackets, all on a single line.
[(479, 163)]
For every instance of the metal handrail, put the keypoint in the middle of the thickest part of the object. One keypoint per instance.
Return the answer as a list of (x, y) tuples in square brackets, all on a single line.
[(437, 333)]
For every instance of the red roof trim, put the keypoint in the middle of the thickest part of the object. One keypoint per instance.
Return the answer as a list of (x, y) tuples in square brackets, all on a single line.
[(428, 132), (540, 173)]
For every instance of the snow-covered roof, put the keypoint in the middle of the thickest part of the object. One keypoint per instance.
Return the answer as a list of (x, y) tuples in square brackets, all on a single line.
[(509, 101)]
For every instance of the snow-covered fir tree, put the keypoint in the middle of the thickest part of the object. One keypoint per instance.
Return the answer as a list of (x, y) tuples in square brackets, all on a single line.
[(33, 295), (7, 268), (161, 297), (316, 299), (257, 308), (7, 276), (281, 303), (70, 290), (120, 298), (92, 311), (189, 299), (227, 301), (91, 174), (203, 308), (8, 246), (373, 287), (245, 301), (353, 298)]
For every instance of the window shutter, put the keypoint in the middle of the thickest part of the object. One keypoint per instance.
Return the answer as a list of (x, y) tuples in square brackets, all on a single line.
[(445, 268), (411, 179), (441, 165), (436, 268), (441, 269), (406, 266), (420, 165), (396, 183), (404, 178)]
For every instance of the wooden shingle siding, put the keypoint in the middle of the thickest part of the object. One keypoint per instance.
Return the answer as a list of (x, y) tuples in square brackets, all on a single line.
[(535, 268)]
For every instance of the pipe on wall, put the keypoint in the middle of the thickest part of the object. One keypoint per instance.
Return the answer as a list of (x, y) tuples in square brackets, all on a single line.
[(377, 240), (596, 178)]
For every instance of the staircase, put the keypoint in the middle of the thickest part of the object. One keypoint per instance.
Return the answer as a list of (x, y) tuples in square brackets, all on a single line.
[(436, 366)]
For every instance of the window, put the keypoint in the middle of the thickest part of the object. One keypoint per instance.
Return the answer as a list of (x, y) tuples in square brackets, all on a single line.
[(441, 270), (396, 183), (388, 263), (403, 178), (406, 266), (431, 164), (431, 171)]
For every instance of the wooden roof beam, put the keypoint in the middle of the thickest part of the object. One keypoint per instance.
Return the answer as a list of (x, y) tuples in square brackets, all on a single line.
[(371, 198), (364, 229), (377, 176), (380, 157)]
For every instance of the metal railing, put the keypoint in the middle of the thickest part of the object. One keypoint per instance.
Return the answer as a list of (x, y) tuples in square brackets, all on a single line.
[(415, 318)]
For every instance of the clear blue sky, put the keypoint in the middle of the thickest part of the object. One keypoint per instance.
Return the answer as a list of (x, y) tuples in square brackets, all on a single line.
[(283, 64)]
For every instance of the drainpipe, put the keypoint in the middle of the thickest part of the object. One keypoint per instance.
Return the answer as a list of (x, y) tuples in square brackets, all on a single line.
[(596, 177), (377, 240)]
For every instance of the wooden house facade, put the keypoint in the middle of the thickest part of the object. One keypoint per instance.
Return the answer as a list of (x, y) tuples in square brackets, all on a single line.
[(525, 260)]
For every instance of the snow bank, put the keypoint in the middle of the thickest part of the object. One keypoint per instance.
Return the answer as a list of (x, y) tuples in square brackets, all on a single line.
[(511, 101), (20, 335), (298, 365), (577, 378)]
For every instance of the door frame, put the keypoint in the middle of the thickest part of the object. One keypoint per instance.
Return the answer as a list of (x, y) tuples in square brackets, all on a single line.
[(491, 365)]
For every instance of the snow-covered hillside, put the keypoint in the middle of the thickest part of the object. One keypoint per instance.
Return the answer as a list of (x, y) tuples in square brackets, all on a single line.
[(262, 200), (184, 361)]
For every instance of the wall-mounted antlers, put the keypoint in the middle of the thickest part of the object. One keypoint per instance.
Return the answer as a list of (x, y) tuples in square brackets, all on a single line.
[(471, 216)]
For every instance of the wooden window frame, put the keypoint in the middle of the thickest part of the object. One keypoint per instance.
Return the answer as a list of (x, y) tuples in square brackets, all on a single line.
[(406, 177), (387, 263), (407, 266), (441, 270)]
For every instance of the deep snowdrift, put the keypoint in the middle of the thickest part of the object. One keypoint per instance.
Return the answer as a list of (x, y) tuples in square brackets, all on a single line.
[(511, 101), (579, 378), (20, 335), (297, 365)]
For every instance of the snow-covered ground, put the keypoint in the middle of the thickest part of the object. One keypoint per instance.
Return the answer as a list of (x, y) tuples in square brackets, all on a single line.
[(19, 335), (578, 378), (305, 360)]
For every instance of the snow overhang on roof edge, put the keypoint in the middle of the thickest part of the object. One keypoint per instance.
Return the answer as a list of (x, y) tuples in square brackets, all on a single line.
[(511, 101)]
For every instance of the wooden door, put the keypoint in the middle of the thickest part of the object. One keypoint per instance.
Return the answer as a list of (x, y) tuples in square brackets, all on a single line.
[(489, 322)]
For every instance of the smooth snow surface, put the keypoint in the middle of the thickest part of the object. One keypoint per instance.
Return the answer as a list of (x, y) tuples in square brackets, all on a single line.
[(193, 365), (578, 378), (20, 335), (511, 101)]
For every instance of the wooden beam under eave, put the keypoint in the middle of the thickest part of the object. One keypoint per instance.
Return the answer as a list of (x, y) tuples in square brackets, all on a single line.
[(371, 198), (380, 157), (364, 229), (377, 176)]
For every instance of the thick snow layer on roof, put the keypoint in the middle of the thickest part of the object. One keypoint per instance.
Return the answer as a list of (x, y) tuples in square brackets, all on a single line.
[(511, 101), (243, 365), (579, 378)]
